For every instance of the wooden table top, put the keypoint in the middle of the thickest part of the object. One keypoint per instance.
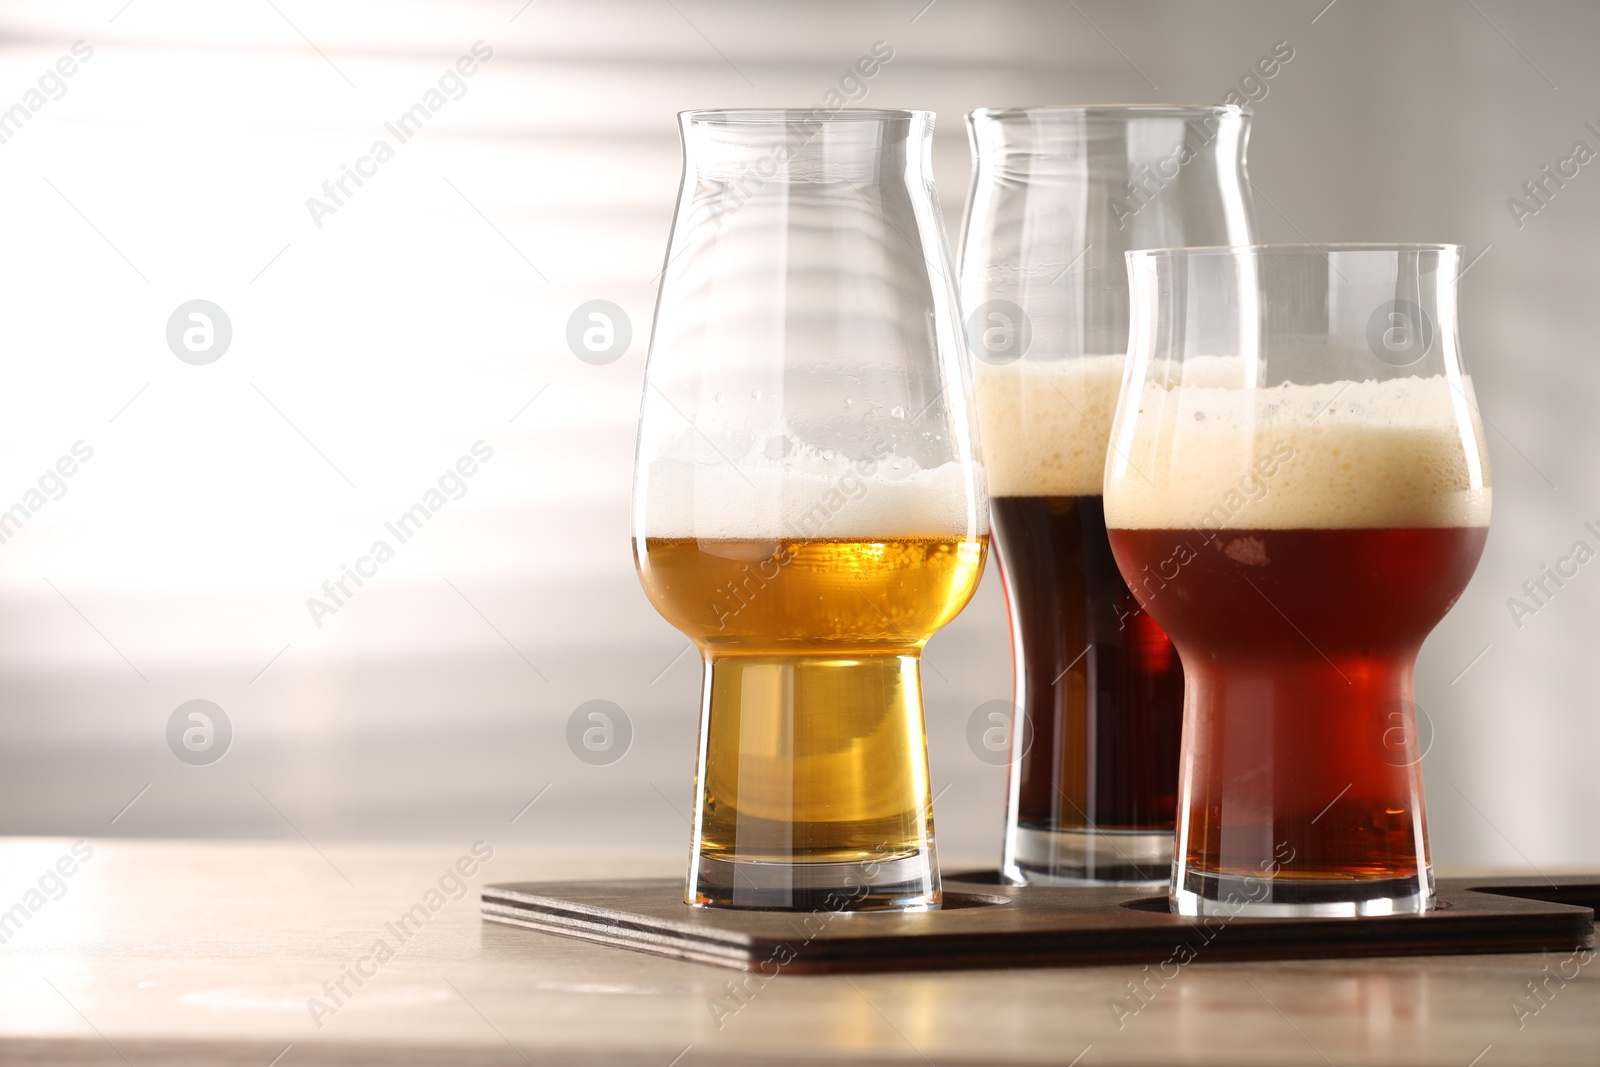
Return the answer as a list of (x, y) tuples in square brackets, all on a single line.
[(148, 952)]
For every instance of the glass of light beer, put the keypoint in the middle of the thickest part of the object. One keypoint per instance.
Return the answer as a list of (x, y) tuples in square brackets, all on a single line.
[(809, 500), (1058, 195), (1297, 491)]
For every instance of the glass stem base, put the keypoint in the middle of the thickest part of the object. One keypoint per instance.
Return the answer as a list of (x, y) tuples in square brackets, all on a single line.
[(813, 785), (907, 883), (1088, 857), (1195, 893)]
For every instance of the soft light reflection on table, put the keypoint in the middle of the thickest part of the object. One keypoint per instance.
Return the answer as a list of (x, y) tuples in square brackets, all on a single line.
[(212, 950)]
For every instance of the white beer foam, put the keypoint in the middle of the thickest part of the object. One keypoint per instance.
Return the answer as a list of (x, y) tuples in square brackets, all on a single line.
[(1046, 424), (861, 500), (1395, 454)]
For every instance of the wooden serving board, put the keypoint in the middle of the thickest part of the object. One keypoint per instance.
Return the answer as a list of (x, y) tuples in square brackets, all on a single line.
[(986, 925)]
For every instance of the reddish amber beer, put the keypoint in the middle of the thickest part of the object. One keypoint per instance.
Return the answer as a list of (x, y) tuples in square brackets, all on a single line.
[(1297, 492), (1300, 645)]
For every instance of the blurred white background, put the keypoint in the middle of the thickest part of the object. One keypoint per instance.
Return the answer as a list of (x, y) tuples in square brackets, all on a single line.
[(429, 312)]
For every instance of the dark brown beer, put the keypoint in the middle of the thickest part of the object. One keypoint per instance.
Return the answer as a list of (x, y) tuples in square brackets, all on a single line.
[(1298, 735), (1099, 681)]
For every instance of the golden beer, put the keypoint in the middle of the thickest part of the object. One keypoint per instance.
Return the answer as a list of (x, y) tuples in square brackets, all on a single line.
[(812, 733)]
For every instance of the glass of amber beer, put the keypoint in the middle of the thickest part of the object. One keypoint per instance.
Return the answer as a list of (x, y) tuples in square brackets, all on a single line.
[(1058, 195), (809, 501), (1298, 490)]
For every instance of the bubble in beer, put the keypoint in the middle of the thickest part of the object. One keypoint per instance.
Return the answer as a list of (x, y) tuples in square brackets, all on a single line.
[(1372, 454), (1045, 424)]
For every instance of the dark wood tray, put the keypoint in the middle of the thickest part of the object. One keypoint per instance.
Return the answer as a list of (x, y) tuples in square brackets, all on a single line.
[(985, 925)]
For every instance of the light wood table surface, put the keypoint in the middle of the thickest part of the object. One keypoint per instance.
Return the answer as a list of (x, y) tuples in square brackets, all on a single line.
[(155, 952)]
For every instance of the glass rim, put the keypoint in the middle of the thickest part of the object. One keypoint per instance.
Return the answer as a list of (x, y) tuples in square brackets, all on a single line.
[(755, 116), (1108, 111), (1291, 248)]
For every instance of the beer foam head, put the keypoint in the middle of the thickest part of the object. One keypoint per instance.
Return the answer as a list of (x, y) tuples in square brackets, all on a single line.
[(1046, 424), (813, 495), (1401, 453)]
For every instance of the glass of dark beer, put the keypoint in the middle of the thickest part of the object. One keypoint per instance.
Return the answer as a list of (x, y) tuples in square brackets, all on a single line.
[(1297, 491), (1058, 195), (809, 502)]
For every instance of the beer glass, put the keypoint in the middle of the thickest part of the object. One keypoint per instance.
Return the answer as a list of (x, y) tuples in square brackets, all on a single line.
[(1058, 195), (809, 501), (1298, 490)]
